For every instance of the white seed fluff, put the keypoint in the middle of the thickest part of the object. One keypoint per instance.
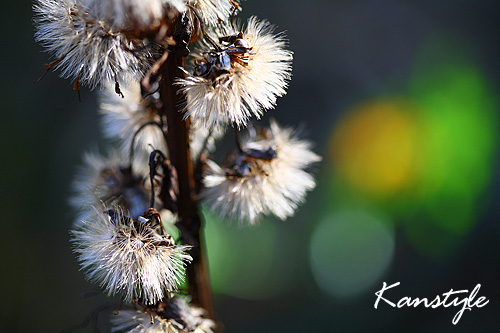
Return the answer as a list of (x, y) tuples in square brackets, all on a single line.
[(122, 118), (202, 139), (272, 186), (130, 258), (104, 180), (248, 89), (86, 46), (183, 319), (139, 13), (148, 14), (213, 11)]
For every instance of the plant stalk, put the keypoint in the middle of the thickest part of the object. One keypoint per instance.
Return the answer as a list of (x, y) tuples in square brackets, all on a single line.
[(190, 222)]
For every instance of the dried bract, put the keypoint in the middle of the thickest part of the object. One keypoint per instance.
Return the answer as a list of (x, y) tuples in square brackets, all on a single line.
[(177, 316)]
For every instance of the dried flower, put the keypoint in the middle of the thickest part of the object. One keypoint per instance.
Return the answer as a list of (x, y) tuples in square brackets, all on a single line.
[(177, 317), (267, 177), (86, 46), (129, 256), (132, 201), (240, 79)]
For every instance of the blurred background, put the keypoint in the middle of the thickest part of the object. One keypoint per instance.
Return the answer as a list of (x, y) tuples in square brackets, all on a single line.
[(401, 99)]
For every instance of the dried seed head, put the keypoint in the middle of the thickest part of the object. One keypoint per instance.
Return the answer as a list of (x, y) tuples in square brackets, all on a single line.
[(267, 177), (108, 180), (86, 45), (240, 79), (129, 256)]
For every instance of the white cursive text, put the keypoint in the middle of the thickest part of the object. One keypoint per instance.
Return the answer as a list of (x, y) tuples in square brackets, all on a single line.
[(445, 300)]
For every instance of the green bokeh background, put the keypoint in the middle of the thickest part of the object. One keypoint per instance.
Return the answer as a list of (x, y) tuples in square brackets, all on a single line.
[(401, 99)]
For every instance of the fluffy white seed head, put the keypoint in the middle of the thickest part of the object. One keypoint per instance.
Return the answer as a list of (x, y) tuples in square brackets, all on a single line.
[(234, 85), (85, 45), (107, 180), (178, 317), (129, 257), (268, 177), (122, 118)]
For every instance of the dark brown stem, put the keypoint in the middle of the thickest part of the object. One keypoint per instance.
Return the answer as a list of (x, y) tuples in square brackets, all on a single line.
[(179, 154), (132, 144), (155, 158)]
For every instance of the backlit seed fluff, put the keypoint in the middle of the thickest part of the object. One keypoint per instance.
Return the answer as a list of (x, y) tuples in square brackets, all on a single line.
[(178, 317), (129, 257), (122, 118), (142, 14), (107, 180), (268, 177), (213, 11), (241, 80), (202, 139), (85, 46), (146, 14)]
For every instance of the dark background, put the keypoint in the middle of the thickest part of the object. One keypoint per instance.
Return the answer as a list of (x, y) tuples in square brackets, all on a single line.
[(401, 99)]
